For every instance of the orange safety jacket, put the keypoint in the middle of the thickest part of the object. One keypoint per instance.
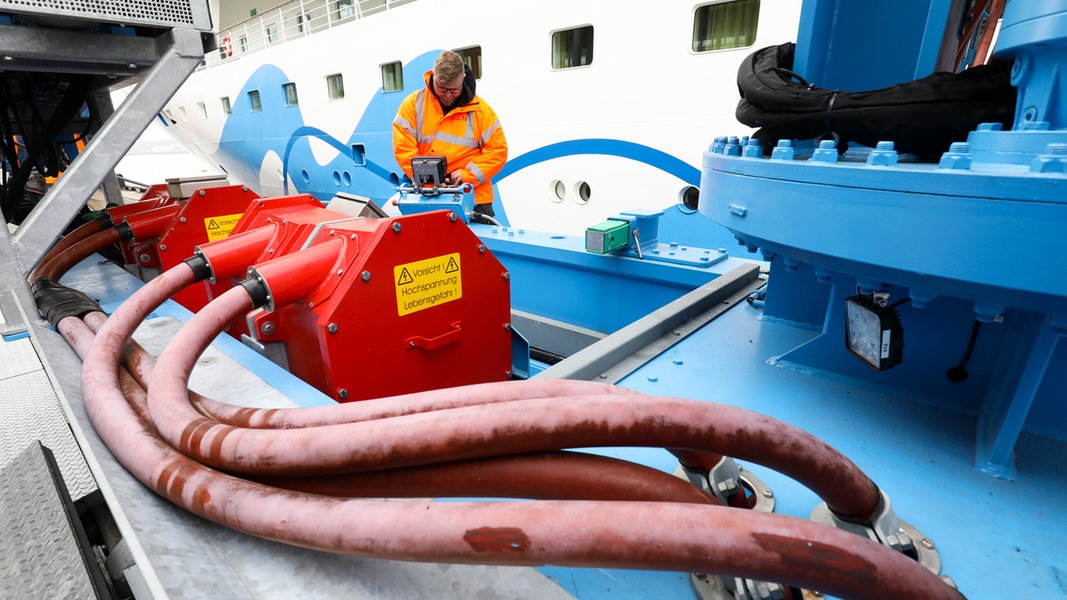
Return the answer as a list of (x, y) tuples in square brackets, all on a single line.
[(469, 137)]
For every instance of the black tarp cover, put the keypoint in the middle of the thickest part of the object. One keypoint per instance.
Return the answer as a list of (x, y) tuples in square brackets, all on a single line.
[(922, 116)]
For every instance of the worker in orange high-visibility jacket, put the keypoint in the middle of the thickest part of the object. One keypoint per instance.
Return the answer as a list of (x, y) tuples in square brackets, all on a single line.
[(448, 118)]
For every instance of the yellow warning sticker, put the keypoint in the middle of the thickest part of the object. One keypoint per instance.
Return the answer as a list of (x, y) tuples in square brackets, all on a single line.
[(220, 226), (427, 283)]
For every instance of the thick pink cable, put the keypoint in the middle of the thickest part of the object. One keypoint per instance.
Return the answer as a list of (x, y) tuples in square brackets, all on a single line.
[(665, 536), (83, 231), (763, 547), (546, 475), (125, 320), (479, 431), (57, 265), (561, 475)]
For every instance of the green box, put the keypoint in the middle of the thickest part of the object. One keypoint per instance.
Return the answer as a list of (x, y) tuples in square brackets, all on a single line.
[(608, 236)]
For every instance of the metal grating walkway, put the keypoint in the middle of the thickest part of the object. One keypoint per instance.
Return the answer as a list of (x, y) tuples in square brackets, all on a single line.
[(30, 411), (43, 550)]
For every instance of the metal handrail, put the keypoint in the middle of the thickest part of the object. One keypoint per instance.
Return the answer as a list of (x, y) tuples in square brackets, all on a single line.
[(287, 21)]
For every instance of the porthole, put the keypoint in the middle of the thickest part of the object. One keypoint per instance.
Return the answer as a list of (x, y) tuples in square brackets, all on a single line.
[(582, 192), (305, 175), (559, 190), (337, 178), (346, 177), (689, 197)]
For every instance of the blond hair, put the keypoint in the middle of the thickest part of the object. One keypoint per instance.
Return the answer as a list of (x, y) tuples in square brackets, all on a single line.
[(448, 67)]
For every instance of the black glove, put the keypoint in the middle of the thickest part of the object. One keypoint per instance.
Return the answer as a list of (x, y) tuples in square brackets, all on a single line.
[(484, 209)]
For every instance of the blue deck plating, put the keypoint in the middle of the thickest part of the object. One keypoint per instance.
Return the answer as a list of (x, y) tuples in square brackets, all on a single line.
[(996, 538)]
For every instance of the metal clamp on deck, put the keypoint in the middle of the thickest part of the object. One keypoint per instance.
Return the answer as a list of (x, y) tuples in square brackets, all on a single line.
[(887, 529), (728, 479)]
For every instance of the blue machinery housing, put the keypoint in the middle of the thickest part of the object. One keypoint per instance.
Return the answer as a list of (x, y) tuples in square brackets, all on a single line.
[(976, 238)]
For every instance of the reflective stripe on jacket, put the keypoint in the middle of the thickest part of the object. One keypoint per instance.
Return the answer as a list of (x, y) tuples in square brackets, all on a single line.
[(469, 137)]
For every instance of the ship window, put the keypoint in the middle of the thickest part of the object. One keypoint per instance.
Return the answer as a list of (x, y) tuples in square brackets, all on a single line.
[(226, 108), (242, 42), (369, 7), (303, 23), (472, 56), (202, 109), (272, 33), (335, 84), (572, 47), (184, 113), (725, 25), (392, 77), (291, 98), (254, 101), (345, 9)]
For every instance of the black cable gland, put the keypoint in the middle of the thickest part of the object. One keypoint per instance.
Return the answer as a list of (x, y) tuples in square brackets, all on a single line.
[(200, 266), (125, 231), (257, 291), (56, 301), (105, 220)]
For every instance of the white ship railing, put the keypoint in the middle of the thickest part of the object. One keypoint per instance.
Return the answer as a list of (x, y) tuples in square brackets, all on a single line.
[(287, 21)]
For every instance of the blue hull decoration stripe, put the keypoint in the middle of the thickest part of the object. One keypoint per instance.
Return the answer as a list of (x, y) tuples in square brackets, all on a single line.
[(608, 147)]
